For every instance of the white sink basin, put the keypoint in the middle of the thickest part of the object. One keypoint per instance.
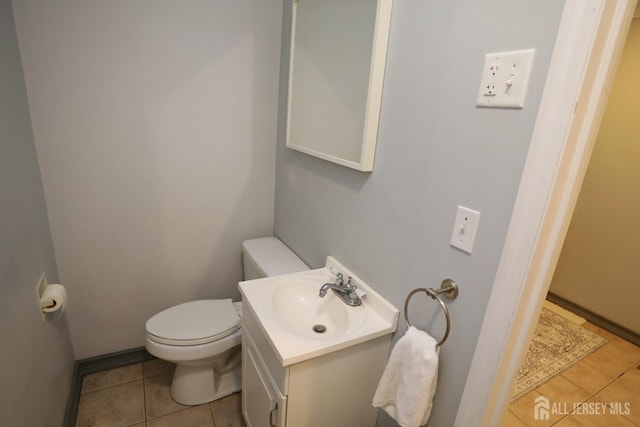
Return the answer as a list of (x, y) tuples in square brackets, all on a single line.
[(298, 308), (288, 308)]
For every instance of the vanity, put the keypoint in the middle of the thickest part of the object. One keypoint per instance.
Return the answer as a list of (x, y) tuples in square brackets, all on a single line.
[(312, 361)]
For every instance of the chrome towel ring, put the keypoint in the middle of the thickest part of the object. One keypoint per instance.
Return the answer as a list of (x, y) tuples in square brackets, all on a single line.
[(449, 289)]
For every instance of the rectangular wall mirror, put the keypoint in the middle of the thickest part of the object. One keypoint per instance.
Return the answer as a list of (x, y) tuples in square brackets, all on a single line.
[(336, 71)]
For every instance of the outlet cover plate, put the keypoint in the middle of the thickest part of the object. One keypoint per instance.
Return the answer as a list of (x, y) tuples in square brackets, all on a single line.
[(505, 78)]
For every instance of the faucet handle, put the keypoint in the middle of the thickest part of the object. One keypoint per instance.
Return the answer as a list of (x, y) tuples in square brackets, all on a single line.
[(351, 285), (339, 276), (352, 289)]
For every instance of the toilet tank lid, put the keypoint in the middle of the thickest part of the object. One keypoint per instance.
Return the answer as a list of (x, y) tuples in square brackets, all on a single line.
[(272, 257)]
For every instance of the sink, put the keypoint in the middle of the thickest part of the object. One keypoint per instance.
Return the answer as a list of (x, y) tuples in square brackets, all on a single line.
[(298, 308), (300, 325)]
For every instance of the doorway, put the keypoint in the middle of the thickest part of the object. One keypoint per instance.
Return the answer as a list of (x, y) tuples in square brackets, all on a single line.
[(588, 45), (594, 362), (596, 275)]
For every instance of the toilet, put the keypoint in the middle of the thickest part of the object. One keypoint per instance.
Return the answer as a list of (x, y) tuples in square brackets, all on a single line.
[(203, 337)]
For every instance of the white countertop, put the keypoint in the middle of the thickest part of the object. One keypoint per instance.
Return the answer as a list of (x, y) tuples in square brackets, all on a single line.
[(287, 306)]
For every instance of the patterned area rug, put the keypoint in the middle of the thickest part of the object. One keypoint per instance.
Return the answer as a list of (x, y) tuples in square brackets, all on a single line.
[(557, 344)]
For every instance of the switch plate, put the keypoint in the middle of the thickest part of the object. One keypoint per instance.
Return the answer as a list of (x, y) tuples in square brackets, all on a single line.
[(505, 78), (465, 228)]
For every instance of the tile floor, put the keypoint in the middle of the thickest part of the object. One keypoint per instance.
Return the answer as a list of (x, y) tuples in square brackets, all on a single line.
[(609, 376), (138, 396)]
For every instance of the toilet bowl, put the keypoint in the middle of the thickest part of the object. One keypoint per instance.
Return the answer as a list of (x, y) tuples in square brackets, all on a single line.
[(203, 337)]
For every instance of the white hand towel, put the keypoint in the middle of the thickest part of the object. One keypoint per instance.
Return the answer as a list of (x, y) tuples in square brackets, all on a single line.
[(409, 380)]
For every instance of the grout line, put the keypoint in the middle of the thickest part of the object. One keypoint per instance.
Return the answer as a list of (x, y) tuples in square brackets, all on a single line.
[(607, 384), (213, 414), (515, 415), (109, 386), (560, 420), (597, 391), (144, 396), (146, 420), (600, 390)]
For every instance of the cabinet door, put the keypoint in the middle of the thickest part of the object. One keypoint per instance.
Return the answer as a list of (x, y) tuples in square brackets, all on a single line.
[(262, 403)]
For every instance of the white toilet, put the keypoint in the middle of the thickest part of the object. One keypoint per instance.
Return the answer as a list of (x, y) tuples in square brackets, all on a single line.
[(203, 337)]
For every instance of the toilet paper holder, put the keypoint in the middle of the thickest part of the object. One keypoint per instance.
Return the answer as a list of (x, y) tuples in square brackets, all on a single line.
[(51, 297)]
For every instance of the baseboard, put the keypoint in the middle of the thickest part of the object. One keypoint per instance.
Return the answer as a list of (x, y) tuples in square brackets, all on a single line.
[(596, 319), (93, 365)]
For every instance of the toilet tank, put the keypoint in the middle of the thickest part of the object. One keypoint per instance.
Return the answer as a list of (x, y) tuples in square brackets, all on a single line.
[(268, 256)]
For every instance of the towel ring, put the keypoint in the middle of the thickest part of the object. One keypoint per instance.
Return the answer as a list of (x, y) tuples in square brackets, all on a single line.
[(450, 290)]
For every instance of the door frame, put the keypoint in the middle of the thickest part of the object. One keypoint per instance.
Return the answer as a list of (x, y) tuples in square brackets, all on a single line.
[(590, 39)]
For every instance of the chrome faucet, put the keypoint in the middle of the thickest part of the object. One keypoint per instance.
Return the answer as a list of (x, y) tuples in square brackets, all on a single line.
[(346, 291)]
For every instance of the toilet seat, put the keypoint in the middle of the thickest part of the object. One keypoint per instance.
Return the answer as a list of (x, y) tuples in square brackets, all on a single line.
[(194, 323)]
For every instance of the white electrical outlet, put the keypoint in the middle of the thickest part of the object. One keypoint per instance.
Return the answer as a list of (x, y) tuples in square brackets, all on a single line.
[(505, 78), (465, 228)]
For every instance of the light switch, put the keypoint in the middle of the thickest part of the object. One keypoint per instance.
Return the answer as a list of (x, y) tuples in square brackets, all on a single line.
[(505, 78), (465, 228)]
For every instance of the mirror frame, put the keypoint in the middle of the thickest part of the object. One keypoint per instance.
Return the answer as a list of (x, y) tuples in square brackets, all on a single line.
[(374, 92)]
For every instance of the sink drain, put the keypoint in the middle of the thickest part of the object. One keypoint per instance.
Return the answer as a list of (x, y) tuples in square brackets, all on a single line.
[(319, 329)]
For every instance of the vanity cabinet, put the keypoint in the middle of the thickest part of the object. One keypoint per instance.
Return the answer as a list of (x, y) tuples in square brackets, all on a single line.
[(262, 401), (334, 389)]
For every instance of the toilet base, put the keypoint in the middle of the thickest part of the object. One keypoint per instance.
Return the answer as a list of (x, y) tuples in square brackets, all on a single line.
[(194, 385)]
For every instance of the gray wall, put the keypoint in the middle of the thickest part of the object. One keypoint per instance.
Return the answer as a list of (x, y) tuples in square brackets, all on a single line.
[(36, 357), (435, 150), (155, 125)]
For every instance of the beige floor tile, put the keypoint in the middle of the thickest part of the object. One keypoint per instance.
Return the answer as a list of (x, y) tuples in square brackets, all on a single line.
[(569, 421), (157, 367), (600, 373), (510, 420), (617, 395), (157, 396), (607, 362), (196, 416), (228, 411), (631, 380), (588, 378), (603, 332), (594, 413), (117, 406), (561, 390), (111, 377), (523, 409), (624, 350), (595, 421), (628, 352), (563, 396)]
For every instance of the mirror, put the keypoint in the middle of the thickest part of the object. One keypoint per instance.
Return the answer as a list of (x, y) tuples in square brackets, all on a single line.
[(336, 70)]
